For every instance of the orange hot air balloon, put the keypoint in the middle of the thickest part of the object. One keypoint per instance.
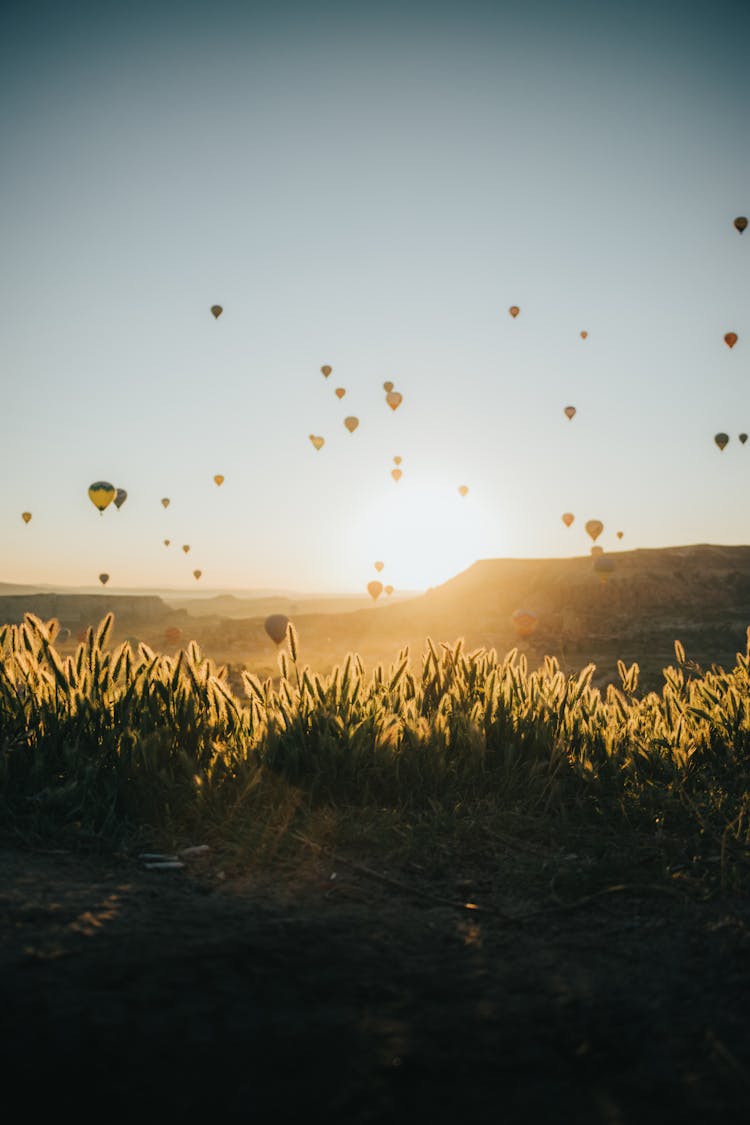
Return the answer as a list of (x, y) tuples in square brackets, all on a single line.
[(167, 542), (721, 440), (397, 474), (25, 516), (568, 518), (463, 489), (326, 370), (570, 413), (584, 335), (394, 399), (388, 386), (104, 579), (379, 566), (186, 547), (594, 528), (197, 574), (620, 534), (397, 460), (374, 589), (514, 311), (318, 442), (218, 479), (524, 622), (740, 223), (351, 423), (340, 392), (165, 502), (388, 590), (276, 626), (217, 310), (731, 339)]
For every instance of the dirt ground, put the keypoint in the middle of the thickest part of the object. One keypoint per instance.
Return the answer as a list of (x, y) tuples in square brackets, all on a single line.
[(129, 994)]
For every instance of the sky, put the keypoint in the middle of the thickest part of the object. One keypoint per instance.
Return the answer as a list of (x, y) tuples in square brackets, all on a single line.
[(368, 186)]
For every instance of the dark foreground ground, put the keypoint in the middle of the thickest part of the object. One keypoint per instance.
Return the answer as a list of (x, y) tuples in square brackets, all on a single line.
[(136, 995)]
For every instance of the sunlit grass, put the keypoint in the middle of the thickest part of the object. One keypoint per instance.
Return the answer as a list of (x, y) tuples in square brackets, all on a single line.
[(429, 757)]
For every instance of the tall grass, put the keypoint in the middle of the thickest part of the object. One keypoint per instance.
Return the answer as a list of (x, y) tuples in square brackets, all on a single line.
[(110, 741)]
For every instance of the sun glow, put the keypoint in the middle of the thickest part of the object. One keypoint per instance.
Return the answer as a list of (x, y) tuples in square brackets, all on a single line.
[(425, 535)]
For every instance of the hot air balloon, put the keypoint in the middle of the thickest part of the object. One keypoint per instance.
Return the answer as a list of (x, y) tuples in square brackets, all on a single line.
[(596, 550), (318, 442), (120, 497), (276, 626), (186, 547), (25, 516), (379, 566), (375, 589), (326, 370), (217, 310), (620, 534), (743, 438), (388, 386), (397, 460), (397, 474), (394, 399), (731, 339), (463, 489), (567, 518), (524, 622), (584, 335), (167, 542), (514, 311), (721, 440), (172, 635), (165, 502), (104, 579), (218, 479), (101, 494), (740, 222), (604, 567), (197, 574), (388, 590), (570, 413), (594, 528), (351, 423)]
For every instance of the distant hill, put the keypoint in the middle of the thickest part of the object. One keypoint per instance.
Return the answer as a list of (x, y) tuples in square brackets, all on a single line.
[(697, 594)]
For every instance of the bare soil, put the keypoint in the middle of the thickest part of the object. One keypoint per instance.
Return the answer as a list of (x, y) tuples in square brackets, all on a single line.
[(129, 994)]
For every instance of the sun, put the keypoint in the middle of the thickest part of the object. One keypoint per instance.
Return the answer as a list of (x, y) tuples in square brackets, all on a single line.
[(424, 532)]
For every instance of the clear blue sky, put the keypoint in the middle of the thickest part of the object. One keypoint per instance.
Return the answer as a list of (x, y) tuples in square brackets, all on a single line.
[(369, 186)]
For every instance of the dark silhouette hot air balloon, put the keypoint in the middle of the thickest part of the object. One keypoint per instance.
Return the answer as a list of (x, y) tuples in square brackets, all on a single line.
[(186, 547), (197, 574), (276, 626), (721, 440), (217, 310), (743, 438), (120, 497), (165, 502), (104, 579), (326, 370), (731, 339), (740, 223)]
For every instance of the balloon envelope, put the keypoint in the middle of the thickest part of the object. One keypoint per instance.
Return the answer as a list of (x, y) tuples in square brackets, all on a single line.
[(25, 516), (397, 460), (101, 494), (620, 534), (740, 222), (375, 589), (379, 566), (463, 489), (318, 442), (217, 310), (165, 502), (167, 542), (326, 370), (721, 440), (388, 590), (388, 386), (584, 335), (514, 310), (197, 573), (570, 412), (218, 479), (731, 339), (743, 438), (351, 423), (340, 392), (186, 547), (567, 518), (104, 579), (275, 626), (594, 528), (394, 399), (120, 497), (397, 474)]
